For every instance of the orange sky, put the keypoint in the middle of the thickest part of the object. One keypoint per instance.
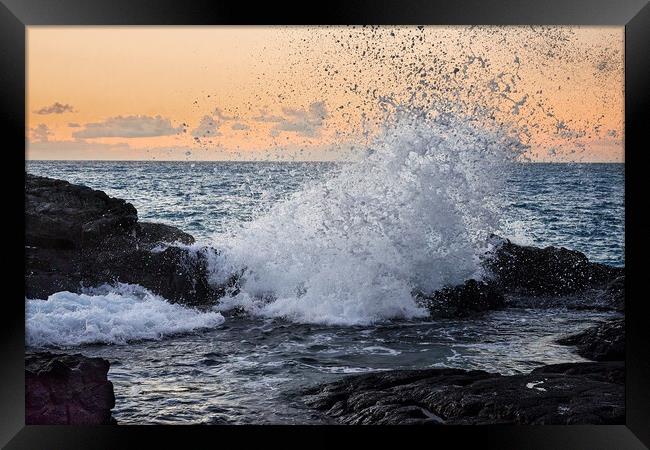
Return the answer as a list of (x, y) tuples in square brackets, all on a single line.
[(221, 93)]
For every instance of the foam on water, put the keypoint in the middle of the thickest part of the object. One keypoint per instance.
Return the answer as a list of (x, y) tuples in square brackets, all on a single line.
[(110, 315), (413, 214)]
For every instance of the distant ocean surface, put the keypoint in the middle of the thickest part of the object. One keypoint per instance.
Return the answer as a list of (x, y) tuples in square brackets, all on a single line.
[(578, 206)]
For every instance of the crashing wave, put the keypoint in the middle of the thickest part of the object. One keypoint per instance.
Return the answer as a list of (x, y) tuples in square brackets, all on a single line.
[(109, 315), (413, 214)]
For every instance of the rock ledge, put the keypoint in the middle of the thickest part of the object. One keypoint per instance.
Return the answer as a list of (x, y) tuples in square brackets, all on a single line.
[(67, 390)]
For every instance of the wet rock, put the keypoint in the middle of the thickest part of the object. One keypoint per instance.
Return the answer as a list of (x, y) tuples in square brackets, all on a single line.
[(153, 233), (67, 390), (79, 237), (61, 215), (582, 393), (613, 293), (603, 342), (530, 277), (464, 300), (549, 271)]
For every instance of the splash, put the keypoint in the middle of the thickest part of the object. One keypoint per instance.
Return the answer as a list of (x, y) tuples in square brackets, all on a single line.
[(109, 315), (439, 115), (413, 214)]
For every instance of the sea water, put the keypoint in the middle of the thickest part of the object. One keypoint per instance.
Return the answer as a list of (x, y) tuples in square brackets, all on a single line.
[(576, 205)]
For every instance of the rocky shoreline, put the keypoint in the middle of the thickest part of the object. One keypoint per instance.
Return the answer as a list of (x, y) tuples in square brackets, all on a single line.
[(604, 342), (77, 237), (67, 390), (566, 394), (575, 393)]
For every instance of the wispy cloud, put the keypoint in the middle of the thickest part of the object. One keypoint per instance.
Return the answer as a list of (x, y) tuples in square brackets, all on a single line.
[(41, 133), (264, 116), (240, 126), (210, 124), (208, 127), (55, 108), (129, 127), (305, 122), (220, 115)]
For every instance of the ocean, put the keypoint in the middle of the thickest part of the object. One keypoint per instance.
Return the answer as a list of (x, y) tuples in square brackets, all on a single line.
[(579, 206), (351, 240)]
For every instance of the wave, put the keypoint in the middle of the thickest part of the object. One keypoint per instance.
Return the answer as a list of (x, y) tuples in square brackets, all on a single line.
[(413, 214), (109, 315)]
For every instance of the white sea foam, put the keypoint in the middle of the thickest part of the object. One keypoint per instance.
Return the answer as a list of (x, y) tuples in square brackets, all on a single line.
[(109, 314), (414, 213)]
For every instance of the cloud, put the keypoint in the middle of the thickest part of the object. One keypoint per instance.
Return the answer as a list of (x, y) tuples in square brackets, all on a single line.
[(240, 126), (129, 127), (266, 117), (41, 133), (210, 124), (219, 115), (305, 122), (208, 127), (565, 131), (55, 108), (74, 125)]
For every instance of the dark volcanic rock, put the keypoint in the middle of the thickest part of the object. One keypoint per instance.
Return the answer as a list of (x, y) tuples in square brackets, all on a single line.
[(79, 237), (604, 342), (61, 215), (613, 293), (463, 300), (582, 393), (546, 271), (67, 390), (530, 277)]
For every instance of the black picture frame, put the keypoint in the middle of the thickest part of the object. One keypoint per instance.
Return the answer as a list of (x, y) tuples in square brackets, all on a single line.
[(15, 15)]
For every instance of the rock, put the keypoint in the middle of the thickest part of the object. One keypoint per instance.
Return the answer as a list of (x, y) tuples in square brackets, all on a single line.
[(613, 293), (67, 390), (603, 342), (581, 393), (530, 277), (79, 237), (610, 372), (175, 273), (154, 233), (463, 300), (61, 215), (549, 271)]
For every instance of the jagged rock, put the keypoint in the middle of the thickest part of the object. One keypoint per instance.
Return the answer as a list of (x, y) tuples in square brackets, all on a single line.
[(549, 271), (603, 342), (463, 300), (581, 393), (67, 390), (530, 277), (79, 237), (613, 293)]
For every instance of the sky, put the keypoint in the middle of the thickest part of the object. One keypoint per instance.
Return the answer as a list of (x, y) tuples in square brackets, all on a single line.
[(312, 93)]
